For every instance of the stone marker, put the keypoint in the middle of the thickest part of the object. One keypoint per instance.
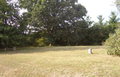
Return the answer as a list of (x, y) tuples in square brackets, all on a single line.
[(5, 49), (90, 51), (14, 48), (37, 47)]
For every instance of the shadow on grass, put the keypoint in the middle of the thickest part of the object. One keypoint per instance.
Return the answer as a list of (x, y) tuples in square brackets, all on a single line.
[(48, 49)]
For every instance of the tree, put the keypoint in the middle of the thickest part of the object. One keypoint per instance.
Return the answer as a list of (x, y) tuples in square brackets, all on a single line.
[(117, 2), (97, 32), (11, 30), (113, 22), (60, 19), (100, 18), (88, 20)]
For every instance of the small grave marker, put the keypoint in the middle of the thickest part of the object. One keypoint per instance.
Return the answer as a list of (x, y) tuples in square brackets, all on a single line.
[(5, 49), (14, 48), (90, 50)]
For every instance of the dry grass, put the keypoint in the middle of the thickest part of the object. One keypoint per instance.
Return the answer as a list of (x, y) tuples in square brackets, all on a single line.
[(69, 61)]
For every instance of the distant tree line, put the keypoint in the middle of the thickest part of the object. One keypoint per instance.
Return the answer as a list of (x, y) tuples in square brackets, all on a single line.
[(51, 22)]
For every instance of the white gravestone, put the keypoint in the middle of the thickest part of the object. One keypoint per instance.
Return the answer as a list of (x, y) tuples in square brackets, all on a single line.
[(90, 51)]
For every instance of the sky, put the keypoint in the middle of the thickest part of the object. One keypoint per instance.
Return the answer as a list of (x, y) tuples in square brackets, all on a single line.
[(99, 7)]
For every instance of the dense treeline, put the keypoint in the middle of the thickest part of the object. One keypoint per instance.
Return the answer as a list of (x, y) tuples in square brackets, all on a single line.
[(51, 22)]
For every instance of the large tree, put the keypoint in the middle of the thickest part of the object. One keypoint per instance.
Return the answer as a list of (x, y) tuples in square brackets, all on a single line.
[(63, 20), (11, 30)]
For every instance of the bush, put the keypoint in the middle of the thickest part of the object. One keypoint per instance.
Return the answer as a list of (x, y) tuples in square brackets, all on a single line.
[(113, 43), (42, 42)]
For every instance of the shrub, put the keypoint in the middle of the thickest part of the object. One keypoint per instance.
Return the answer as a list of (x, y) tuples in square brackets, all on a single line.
[(42, 42), (113, 43)]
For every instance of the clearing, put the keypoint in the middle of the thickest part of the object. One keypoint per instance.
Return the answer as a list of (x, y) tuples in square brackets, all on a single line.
[(62, 61)]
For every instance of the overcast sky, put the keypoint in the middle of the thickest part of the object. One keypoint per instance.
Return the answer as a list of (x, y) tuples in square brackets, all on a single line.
[(99, 7)]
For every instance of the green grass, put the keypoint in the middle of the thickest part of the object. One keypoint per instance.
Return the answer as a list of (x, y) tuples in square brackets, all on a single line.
[(68, 61)]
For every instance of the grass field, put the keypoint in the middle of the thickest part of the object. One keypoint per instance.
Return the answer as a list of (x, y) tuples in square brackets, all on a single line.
[(67, 61)]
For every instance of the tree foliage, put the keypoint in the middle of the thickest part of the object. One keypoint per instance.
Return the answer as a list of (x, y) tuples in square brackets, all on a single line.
[(59, 19), (99, 32), (113, 22), (51, 22), (117, 2), (113, 43), (11, 30)]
